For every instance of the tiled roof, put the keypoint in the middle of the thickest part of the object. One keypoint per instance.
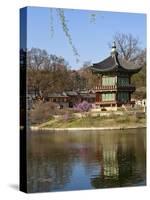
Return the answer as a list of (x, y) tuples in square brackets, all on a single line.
[(72, 93), (115, 63), (88, 95), (54, 95), (63, 94)]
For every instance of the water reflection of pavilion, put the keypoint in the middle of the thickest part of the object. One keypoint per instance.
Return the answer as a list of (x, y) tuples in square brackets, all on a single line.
[(110, 164), (121, 164)]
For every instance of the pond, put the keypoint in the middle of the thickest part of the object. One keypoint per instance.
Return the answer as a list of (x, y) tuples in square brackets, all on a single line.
[(77, 160)]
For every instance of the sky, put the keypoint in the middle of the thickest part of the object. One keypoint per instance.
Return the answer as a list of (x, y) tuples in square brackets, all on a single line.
[(90, 39)]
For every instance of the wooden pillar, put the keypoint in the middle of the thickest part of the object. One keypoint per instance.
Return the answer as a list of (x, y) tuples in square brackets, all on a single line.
[(101, 80), (98, 96), (116, 96), (129, 96), (129, 79)]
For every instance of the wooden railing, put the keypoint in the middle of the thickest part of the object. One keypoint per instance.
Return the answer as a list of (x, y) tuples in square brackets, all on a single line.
[(115, 102), (127, 87), (105, 87), (114, 88)]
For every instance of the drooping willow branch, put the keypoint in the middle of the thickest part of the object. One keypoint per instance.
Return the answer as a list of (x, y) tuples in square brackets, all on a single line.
[(93, 18), (65, 28), (67, 32), (51, 23)]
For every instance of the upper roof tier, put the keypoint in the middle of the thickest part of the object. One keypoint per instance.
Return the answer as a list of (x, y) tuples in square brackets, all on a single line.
[(115, 63)]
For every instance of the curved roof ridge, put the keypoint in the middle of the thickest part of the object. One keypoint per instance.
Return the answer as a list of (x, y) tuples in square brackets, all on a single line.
[(115, 62), (128, 65), (107, 63)]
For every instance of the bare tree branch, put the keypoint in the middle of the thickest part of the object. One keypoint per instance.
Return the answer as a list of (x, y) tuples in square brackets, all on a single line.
[(127, 45)]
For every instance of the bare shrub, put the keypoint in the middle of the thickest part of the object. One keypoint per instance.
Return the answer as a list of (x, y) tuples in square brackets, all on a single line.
[(42, 112)]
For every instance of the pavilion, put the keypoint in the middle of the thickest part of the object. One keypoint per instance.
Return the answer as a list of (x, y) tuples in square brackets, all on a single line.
[(114, 86)]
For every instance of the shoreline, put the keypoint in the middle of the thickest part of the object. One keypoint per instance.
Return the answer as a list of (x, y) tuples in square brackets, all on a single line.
[(36, 128)]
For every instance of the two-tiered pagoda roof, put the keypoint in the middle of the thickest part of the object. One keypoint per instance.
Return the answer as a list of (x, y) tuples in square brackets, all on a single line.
[(115, 63)]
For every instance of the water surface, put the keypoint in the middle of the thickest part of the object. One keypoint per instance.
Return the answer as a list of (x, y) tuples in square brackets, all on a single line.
[(76, 160)]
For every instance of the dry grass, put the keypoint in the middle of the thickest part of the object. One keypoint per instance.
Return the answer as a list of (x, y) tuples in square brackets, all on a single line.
[(89, 121)]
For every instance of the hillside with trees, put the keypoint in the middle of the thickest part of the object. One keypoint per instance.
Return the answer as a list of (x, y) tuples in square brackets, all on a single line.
[(49, 73)]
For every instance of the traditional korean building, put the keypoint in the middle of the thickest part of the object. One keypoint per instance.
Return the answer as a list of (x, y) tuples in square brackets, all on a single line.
[(114, 87), (71, 98)]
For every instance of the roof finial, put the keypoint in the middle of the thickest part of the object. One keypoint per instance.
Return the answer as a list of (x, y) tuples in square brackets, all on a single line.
[(113, 50), (114, 44)]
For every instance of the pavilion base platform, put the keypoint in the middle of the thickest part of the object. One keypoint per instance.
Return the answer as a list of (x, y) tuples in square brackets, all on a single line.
[(113, 106)]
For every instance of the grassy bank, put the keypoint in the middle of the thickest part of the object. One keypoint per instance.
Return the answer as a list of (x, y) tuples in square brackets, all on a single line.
[(98, 121)]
